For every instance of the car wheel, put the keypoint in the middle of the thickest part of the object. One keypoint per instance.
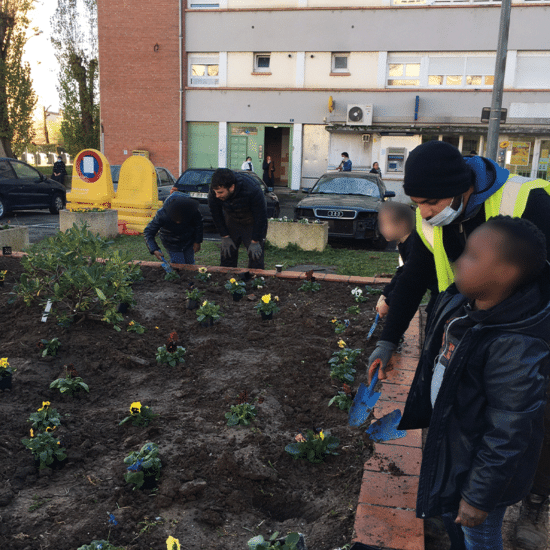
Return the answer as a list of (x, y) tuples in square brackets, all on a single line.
[(57, 204), (3, 210), (379, 243)]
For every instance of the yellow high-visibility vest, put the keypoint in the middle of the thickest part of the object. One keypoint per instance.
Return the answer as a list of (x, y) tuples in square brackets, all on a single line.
[(509, 200)]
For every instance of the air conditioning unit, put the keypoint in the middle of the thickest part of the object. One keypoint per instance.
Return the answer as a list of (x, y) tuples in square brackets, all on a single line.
[(366, 138), (359, 115)]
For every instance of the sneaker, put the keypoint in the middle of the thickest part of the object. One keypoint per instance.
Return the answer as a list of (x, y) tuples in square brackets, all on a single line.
[(532, 526)]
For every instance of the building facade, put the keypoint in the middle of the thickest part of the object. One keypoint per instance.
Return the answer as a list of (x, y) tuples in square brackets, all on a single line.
[(207, 83)]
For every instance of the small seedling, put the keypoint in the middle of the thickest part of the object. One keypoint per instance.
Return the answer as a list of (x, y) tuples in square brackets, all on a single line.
[(235, 287), (140, 415), (45, 419), (45, 448), (357, 294), (310, 286), (100, 545), (172, 276), (203, 275), (315, 446), (343, 401), (141, 464), (37, 503), (340, 326), (259, 543), (49, 347), (353, 310), (134, 326), (241, 414)]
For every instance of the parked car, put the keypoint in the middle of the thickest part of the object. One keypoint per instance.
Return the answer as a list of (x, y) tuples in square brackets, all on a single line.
[(349, 201), (165, 179), (22, 187), (196, 183)]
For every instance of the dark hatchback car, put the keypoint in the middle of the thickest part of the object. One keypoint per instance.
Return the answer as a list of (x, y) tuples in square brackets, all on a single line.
[(196, 183), (22, 187), (349, 202)]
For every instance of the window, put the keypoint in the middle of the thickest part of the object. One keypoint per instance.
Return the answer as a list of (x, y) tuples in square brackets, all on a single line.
[(433, 71), (261, 62), (5, 169), (340, 63), (532, 70), (24, 171), (204, 70), (404, 74)]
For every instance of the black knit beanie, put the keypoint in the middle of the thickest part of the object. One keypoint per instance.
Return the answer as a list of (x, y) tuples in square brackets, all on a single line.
[(180, 208), (436, 170)]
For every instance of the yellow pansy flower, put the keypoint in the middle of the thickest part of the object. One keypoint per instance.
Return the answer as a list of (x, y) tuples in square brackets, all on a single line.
[(135, 407), (172, 543), (266, 298), (232, 281), (32, 432), (321, 435), (341, 343), (334, 320), (131, 323), (202, 269), (45, 405), (50, 428), (4, 363), (204, 303), (276, 298)]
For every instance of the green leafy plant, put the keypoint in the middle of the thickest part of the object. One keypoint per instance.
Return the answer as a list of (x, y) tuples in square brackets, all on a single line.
[(259, 543), (203, 275), (353, 310), (172, 276), (45, 419), (314, 446), (208, 310), (342, 400), (49, 347), (267, 304), (68, 270), (310, 286), (134, 326), (258, 282), (71, 384), (373, 291), (343, 372), (171, 357), (45, 448), (141, 464), (140, 415), (100, 545), (340, 326), (235, 287), (194, 294), (243, 413), (5, 369)]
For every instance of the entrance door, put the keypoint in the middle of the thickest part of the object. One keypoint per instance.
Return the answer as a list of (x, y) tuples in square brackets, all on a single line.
[(277, 146), (237, 145)]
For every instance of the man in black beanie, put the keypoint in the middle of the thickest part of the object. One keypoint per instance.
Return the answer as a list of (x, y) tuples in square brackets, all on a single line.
[(455, 195), (180, 224)]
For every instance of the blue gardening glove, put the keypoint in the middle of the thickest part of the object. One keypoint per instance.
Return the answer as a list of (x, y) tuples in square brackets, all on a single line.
[(227, 245), (380, 358), (255, 251)]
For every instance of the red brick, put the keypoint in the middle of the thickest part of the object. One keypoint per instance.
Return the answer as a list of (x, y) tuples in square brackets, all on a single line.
[(400, 376), (412, 439), (384, 489), (407, 459), (337, 278), (404, 362), (389, 528), (394, 392)]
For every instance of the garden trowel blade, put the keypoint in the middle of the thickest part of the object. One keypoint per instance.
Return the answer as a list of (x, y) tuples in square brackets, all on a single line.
[(385, 429), (364, 402), (373, 328), (166, 266)]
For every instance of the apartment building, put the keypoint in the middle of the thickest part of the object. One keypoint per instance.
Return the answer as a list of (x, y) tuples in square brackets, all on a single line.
[(202, 83)]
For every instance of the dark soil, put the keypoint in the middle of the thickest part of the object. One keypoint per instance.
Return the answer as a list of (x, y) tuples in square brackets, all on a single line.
[(219, 485)]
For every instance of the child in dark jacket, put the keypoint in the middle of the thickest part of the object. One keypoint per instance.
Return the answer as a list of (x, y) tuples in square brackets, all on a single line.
[(180, 224), (481, 383), (396, 223)]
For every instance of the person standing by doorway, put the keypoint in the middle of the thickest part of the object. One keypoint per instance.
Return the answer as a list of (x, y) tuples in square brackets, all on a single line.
[(247, 165), (269, 169), (59, 171), (376, 169), (345, 165)]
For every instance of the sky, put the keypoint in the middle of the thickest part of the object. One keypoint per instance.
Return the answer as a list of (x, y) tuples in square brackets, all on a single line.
[(39, 53)]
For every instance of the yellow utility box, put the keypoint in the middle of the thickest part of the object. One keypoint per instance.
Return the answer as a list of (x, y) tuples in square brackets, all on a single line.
[(141, 153), (137, 196), (92, 185)]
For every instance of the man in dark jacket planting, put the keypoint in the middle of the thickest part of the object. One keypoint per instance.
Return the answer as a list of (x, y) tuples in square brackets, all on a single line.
[(239, 211), (481, 383), (180, 224)]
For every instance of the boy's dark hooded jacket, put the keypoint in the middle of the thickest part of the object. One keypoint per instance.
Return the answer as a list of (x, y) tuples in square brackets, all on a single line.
[(486, 427)]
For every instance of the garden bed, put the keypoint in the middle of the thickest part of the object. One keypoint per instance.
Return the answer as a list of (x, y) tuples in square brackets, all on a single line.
[(219, 485)]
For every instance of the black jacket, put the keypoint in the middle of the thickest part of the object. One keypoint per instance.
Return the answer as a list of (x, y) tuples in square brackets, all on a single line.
[(486, 427), (419, 270), (175, 236), (246, 206), (405, 249)]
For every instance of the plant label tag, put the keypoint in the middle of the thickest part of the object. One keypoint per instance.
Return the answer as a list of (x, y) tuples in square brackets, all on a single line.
[(46, 311)]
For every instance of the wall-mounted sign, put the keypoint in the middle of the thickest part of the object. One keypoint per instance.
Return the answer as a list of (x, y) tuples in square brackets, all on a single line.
[(520, 153)]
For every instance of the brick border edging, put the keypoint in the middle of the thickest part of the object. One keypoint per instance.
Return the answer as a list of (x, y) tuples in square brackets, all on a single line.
[(386, 514), (329, 277)]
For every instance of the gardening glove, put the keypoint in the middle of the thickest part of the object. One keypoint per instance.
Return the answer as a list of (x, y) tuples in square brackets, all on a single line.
[(380, 358), (227, 245), (255, 251)]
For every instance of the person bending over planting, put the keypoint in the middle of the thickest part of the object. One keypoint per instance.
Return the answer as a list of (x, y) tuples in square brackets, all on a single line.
[(481, 381), (180, 224), (239, 211)]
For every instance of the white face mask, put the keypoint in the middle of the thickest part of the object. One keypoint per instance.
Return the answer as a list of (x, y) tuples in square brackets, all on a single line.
[(447, 215)]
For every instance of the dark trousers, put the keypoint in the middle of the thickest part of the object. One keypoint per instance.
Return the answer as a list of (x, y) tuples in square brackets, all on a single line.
[(241, 234)]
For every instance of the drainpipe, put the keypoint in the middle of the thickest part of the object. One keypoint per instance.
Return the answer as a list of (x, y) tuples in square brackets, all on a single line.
[(181, 98)]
